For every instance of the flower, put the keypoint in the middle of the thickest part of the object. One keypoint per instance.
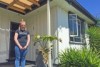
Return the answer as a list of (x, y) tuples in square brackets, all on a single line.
[(38, 36)]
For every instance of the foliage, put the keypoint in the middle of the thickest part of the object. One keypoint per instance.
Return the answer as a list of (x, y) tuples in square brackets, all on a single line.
[(43, 43), (94, 36), (79, 58)]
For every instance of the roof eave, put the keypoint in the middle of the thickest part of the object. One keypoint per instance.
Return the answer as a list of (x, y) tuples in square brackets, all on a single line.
[(75, 4)]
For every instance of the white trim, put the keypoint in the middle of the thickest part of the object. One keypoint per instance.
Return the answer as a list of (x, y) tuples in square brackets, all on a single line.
[(79, 35), (75, 22), (49, 31)]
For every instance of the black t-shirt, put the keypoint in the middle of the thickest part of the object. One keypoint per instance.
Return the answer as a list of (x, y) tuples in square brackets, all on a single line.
[(22, 36)]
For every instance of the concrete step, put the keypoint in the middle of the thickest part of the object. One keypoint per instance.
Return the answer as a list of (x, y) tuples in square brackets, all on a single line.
[(31, 65)]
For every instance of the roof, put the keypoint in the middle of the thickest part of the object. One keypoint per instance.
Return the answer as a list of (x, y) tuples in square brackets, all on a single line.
[(26, 6), (75, 4), (21, 6)]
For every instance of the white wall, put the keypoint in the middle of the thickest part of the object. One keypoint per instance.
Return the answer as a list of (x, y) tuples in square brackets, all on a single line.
[(63, 31), (6, 17), (37, 25), (87, 36)]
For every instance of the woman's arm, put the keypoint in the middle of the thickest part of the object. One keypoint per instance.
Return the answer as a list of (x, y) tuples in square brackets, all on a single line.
[(28, 41), (16, 40)]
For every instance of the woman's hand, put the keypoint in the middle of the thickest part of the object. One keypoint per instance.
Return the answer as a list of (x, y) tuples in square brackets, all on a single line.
[(20, 47), (24, 47)]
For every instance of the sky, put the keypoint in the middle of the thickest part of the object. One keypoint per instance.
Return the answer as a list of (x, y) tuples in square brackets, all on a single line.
[(92, 6)]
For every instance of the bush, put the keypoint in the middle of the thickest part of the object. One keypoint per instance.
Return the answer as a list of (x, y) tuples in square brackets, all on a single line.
[(79, 58), (94, 35)]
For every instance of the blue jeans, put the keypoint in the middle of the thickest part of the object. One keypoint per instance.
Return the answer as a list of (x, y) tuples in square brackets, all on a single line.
[(20, 56)]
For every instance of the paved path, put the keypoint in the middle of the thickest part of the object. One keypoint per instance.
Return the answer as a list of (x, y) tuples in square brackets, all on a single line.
[(13, 65)]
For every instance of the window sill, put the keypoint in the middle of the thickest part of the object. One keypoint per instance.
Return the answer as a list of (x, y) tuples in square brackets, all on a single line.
[(78, 43)]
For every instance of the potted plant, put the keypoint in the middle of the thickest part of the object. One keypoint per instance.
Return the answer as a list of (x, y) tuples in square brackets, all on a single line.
[(43, 44)]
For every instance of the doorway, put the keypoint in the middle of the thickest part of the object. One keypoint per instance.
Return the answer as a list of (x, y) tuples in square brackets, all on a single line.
[(13, 27)]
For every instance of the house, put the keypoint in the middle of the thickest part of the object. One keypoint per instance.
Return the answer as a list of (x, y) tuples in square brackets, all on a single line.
[(98, 23), (69, 21)]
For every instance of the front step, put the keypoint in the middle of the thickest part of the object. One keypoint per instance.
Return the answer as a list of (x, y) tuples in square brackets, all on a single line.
[(10, 63), (30, 65)]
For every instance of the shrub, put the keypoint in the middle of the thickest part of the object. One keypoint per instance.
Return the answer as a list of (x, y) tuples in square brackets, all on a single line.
[(94, 35), (79, 58)]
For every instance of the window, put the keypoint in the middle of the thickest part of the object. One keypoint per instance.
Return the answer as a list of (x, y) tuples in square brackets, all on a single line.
[(76, 28), (73, 24)]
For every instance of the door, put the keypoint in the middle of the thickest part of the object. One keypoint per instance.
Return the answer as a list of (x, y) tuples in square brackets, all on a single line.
[(13, 27)]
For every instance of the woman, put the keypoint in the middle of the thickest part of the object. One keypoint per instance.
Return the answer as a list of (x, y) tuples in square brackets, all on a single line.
[(22, 40)]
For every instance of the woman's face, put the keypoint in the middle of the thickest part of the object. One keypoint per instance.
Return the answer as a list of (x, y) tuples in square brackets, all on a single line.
[(22, 25)]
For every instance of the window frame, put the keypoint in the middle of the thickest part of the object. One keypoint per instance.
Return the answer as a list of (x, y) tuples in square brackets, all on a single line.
[(73, 24), (81, 33)]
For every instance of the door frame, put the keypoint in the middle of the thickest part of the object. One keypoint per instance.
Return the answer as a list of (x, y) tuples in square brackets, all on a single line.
[(13, 27)]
